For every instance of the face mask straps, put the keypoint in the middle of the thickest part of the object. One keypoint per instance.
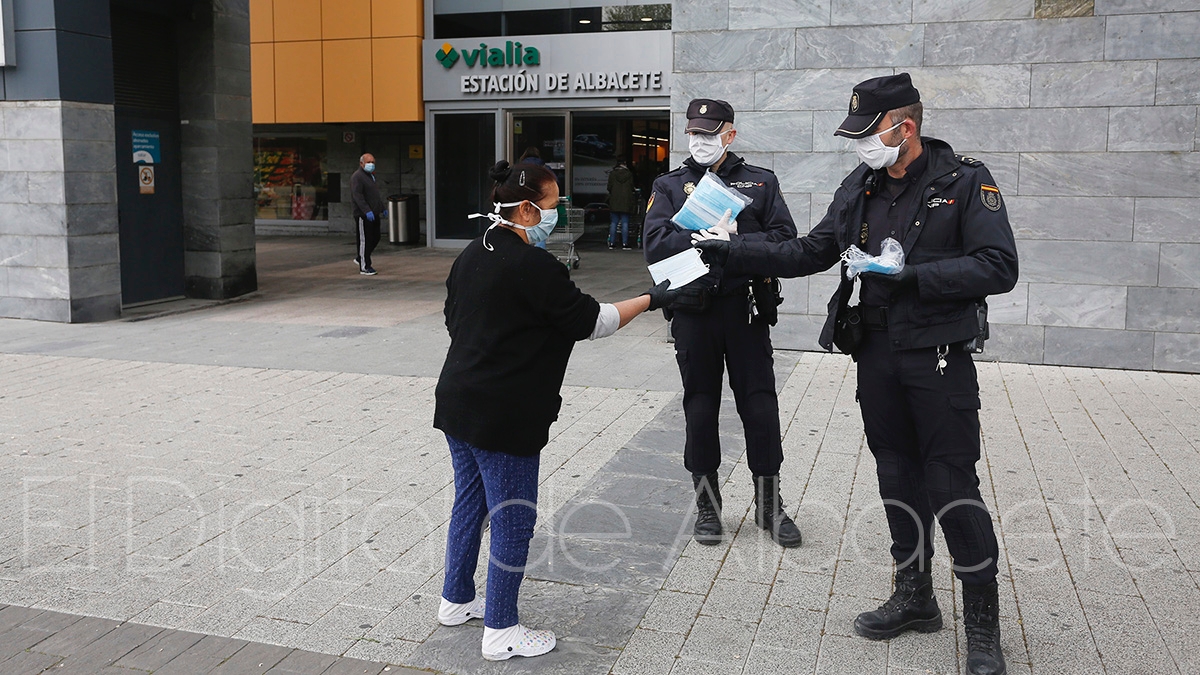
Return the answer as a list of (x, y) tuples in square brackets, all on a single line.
[(497, 219)]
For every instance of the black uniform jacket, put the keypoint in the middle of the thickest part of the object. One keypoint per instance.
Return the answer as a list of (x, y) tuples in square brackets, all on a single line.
[(959, 241), (766, 219)]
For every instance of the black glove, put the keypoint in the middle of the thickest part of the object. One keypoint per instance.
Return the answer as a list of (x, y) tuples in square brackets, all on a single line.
[(661, 297), (714, 251), (905, 278), (695, 296)]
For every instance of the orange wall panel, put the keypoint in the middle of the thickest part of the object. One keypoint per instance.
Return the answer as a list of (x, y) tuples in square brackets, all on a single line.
[(262, 21), (298, 95), (262, 83), (397, 75), (297, 20), (347, 69), (397, 18), (341, 19)]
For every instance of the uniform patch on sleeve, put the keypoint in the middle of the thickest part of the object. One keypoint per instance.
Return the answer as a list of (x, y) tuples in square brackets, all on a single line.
[(650, 202), (990, 196)]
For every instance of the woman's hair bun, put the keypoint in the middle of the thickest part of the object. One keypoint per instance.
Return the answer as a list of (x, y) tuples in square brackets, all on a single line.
[(500, 171)]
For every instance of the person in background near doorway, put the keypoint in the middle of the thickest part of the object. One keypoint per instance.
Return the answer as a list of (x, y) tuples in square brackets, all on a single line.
[(620, 202), (531, 156), (514, 316), (368, 210)]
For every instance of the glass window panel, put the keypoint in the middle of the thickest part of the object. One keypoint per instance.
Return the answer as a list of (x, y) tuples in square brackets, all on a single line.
[(466, 148), (553, 21), (289, 179)]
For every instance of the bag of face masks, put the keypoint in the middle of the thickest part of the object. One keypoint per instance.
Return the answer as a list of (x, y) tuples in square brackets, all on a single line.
[(889, 261), (708, 203)]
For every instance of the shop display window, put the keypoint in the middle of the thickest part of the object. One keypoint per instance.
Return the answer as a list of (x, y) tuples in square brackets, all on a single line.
[(290, 179)]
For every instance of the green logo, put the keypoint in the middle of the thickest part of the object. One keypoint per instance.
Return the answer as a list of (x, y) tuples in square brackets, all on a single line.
[(513, 54), (447, 56)]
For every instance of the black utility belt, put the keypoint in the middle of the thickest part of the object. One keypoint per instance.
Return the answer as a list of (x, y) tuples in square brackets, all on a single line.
[(873, 317)]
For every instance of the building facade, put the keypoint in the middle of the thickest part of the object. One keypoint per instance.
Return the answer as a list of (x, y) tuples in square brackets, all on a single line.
[(124, 155), (578, 87), (333, 79), (1085, 111)]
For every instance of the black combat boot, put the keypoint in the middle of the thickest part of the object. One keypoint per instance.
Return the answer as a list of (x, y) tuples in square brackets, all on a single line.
[(708, 509), (981, 617), (911, 607), (770, 515)]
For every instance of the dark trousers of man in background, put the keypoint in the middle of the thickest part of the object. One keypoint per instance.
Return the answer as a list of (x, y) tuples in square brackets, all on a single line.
[(366, 236)]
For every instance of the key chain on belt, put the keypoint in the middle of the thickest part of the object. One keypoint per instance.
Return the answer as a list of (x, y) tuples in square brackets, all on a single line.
[(942, 351)]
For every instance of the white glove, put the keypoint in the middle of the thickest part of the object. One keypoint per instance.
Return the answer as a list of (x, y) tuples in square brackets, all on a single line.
[(726, 223), (711, 233)]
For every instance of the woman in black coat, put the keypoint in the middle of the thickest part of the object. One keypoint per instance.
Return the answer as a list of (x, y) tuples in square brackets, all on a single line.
[(514, 316)]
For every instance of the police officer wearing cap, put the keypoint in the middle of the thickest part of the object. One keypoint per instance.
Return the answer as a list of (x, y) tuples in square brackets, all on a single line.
[(730, 327), (912, 334)]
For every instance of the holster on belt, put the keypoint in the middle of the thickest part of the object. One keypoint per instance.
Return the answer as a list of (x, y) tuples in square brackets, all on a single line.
[(848, 329), (768, 295)]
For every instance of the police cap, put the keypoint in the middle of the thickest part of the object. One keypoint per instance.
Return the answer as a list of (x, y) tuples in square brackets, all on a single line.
[(706, 115), (872, 100)]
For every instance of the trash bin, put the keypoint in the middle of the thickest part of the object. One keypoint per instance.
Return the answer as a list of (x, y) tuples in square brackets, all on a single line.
[(404, 219), (397, 219)]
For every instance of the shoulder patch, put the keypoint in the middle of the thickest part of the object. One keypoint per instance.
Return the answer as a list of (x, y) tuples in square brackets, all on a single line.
[(969, 161), (990, 196), (650, 202)]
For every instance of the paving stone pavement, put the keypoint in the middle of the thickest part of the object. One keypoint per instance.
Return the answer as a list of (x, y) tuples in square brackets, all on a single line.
[(264, 472)]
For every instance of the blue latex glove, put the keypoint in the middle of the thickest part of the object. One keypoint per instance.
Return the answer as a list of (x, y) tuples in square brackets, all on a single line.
[(370, 216), (385, 214)]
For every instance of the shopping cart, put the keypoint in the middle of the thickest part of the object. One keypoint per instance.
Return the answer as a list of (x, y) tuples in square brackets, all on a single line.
[(562, 240)]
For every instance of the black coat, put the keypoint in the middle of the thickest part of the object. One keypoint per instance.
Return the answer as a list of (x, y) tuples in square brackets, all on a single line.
[(960, 244), (766, 219), (514, 316)]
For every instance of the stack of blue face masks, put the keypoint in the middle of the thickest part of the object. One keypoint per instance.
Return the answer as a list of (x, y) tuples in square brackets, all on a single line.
[(708, 203), (889, 261)]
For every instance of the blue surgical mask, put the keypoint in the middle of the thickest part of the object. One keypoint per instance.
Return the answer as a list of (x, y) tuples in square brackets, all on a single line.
[(541, 232), (537, 233), (369, 167)]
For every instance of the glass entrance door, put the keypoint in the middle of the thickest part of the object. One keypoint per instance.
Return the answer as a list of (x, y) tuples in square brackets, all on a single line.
[(466, 149), (542, 137)]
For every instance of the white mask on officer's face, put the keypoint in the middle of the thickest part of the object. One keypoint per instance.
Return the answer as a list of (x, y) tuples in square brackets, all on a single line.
[(876, 154), (706, 149)]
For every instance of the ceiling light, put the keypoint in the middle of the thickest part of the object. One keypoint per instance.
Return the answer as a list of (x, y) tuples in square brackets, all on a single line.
[(647, 18), (585, 21)]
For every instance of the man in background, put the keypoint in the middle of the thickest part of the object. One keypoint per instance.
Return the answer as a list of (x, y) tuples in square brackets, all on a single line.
[(368, 210)]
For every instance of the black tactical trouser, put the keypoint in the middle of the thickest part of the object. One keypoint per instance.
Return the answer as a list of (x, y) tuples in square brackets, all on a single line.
[(923, 428), (707, 342)]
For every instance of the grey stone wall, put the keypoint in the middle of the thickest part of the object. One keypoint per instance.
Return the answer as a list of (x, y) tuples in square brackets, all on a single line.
[(59, 238), (218, 204), (1085, 113), (59, 254)]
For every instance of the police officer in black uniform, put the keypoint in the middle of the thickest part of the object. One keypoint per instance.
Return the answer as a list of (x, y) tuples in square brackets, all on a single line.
[(912, 334), (731, 327)]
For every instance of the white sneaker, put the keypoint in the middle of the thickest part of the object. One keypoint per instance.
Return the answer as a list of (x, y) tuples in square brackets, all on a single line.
[(500, 644), (455, 614)]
